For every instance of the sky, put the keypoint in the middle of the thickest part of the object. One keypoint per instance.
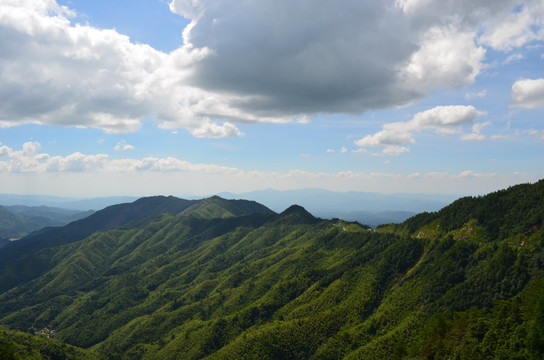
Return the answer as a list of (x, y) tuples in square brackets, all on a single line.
[(148, 97)]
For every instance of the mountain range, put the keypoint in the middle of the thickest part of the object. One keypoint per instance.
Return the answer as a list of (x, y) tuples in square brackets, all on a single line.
[(319, 201), (167, 278), (368, 208)]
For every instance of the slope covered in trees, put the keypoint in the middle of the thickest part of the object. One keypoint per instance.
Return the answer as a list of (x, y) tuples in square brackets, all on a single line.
[(16, 345), (466, 282), (33, 255), (17, 221)]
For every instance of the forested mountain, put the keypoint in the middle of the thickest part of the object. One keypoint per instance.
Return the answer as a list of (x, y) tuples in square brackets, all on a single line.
[(466, 282), (17, 221), (31, 256), (61, 215), (16, 345)]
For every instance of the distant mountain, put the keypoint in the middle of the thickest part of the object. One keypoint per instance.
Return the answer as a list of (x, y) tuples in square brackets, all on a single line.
[(464, 282), (32, 200), (60, 215), (372, 219), (17, 221), (367, 208), (98, 203), (64, 202)]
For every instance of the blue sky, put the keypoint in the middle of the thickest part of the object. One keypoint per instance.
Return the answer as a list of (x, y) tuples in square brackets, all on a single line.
[(198, 97)]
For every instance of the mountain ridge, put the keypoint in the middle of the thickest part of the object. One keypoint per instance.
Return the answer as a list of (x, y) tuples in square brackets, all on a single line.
[(464, 282), (216, 206), (18, 221), (20, 251)]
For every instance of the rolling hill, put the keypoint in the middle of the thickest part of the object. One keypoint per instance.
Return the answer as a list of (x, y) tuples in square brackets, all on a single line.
[(18, 221), (226, 280)]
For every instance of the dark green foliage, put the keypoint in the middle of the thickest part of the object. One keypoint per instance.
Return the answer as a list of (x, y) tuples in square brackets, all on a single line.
[(222, 280), (28, 250), (503, 214), (478, 334), (216, 207), (15, 345), (18, 221), (536, 333), (15, 225)]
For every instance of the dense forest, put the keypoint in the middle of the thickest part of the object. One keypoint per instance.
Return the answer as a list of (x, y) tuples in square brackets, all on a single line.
[(165, 278), (17, 221)]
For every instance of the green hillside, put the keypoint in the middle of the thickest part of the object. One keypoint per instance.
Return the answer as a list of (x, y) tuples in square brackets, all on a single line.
[(60, 215), (18, 221), (32, 256), (13, 225), (16, 345), (217, 207), (466, 282)]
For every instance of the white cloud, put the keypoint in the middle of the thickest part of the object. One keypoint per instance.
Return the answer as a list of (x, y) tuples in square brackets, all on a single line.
[(328, 150), (123, 146), (392, 134), (441, 119), (447, 57), (102, 176), (539, 134), (55, 73), (212, 130), (445, 116), (528, 94), (29, 160), (475, 135), (344, 150), (480, 94), (302, 119), (259, 61), (58, 73), (4, 151), (395, 150), (516, 29), (502, 24), (500, 137), (74, 162), (476, 128), (513, 57)]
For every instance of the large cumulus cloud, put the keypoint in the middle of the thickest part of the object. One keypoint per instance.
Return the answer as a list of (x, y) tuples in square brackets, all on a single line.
[(323, 56), (250, 61), (57, 73), (311, 56)]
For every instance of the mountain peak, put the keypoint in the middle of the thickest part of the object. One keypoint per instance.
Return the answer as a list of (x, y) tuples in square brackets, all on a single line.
[(295, 209), (297, 214), (217, 207)]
